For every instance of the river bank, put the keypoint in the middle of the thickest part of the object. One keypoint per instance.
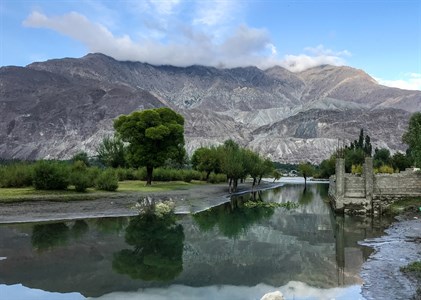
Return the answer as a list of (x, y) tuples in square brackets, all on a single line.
[(400, 246), (188, 199)]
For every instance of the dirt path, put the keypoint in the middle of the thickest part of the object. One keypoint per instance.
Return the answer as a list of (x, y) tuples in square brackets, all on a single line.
[(190, 200)]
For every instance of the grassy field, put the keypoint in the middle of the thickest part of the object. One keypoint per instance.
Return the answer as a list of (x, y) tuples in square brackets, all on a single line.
[(124, 187)]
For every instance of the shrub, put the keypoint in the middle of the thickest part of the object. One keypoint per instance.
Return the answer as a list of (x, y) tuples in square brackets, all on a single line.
[(93, 174), (357, 169), (384, 169), (50, 175), (16, 175), (125, 174), (107, 181), (80, 180), (140, 174), (217, 178)]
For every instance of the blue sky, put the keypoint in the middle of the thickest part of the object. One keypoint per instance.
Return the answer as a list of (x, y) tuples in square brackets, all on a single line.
[(382, 37)]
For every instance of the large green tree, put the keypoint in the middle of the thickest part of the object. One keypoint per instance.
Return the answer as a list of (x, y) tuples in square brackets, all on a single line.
[(412, 137), (153, 135)]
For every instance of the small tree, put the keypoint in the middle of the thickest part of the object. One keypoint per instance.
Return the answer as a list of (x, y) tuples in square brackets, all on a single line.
[(412, 137), (153, 135), (306, 170), (81, 156), (111, 152), (206, 160)]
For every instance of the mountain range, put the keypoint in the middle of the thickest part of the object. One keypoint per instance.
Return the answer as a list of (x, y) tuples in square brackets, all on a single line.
[(56, 108)]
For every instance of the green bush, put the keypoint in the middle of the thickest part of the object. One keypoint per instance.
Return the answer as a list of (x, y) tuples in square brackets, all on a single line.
[(357, 169), (107, 181), (80, 176), (80, 180), (217, 178), (50, 175), (16, 175), (93, 173), (140, 174), (125, 174), (384, 169)]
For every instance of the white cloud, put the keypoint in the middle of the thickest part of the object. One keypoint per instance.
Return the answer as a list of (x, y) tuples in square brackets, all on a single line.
[(214, 12), (317, 56), (411, 81), (184, 45)]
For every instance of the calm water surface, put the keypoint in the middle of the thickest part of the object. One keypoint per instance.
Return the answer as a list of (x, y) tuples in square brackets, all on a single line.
[(227, 252)]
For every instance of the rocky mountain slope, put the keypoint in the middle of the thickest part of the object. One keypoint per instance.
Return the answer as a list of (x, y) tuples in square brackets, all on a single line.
[(56, 108)]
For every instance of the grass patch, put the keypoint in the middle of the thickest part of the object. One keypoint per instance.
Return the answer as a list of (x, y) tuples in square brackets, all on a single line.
[(401, 205), (70, 194), (413, 269)]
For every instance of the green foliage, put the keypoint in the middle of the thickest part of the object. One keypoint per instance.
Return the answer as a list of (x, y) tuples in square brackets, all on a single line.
[(381, 157), (80, 180), (126, 174), (154, 136), (287, 205), (306, 170), (327, 167), (400, 161), (158, 248), (413, 268), (357, 169), (234, 218), (353, 157), (111, 152), (81, 156), (384, 170), (46, 236), (16, 175), (107, 181), (50, 175), (206, 160), (276, 175), (363, 143), (217, 178), (412, 137)]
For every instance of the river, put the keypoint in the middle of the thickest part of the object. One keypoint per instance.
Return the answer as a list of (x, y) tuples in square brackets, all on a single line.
[(227, 252)]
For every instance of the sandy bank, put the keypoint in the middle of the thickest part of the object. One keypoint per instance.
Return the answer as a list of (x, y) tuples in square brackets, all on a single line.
[(190, 200)]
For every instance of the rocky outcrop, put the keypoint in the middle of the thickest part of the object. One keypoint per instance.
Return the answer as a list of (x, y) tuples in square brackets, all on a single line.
[(56, 108)]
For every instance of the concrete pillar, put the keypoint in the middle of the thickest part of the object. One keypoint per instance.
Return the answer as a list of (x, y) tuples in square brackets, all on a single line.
[(369, 179), (340, 182)]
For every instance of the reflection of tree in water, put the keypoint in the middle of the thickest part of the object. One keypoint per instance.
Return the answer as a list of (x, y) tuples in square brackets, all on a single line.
[(306, 197), (158, 248), (79, 228), (233, 218), (47, 236), (111, 225)]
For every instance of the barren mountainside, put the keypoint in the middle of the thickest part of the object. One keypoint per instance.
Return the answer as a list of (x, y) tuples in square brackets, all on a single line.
[(56, 108)]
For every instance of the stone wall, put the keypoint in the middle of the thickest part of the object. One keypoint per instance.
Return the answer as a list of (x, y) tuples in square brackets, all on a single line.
[(369, 192)]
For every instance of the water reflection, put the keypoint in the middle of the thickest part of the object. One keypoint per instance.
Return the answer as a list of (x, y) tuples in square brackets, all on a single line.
[(158, 248), (233, 218), (229, 246), (51, 235)]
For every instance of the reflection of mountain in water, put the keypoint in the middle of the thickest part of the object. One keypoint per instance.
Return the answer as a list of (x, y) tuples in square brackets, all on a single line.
[(274, 246)]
